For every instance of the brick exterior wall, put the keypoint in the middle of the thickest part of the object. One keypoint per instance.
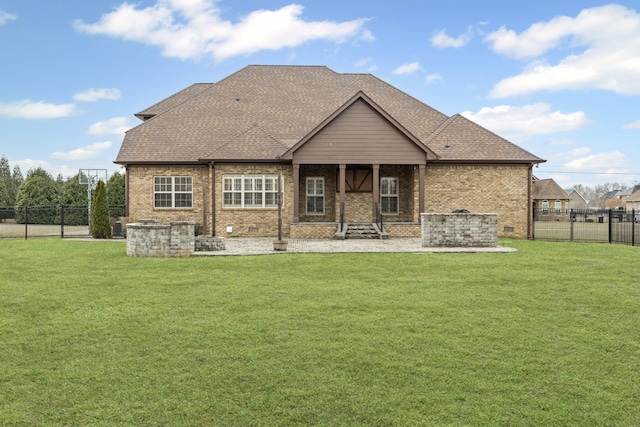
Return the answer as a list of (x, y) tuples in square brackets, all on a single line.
[(331, 197), (257, 222), (140, 189), (500, 189)]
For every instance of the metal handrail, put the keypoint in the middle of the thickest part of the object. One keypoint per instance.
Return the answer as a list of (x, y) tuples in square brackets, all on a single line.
[(341, 217), (379, 217)]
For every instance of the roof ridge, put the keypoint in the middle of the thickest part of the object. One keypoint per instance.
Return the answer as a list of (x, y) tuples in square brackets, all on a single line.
[(445, 124), (239, 135), (175, 94), (498, 136)]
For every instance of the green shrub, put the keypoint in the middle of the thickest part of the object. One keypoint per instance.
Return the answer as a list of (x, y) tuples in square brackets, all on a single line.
[(100, 227)]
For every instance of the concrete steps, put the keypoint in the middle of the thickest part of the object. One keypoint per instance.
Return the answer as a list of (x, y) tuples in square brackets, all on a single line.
[(361, 231)]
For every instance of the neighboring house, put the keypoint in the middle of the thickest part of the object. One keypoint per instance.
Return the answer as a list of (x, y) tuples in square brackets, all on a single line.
[(214, 153), (576, 200), (551, 202), (624, 195), (610, 199), (632, 202)]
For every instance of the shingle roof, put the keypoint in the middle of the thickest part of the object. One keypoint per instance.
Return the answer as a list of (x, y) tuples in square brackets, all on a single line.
[(548, 189), (259, 112)]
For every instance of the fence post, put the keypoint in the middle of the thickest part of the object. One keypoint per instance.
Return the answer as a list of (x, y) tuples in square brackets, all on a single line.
[(62, 221), (26, 223), (610, 225), (633, 227), (571, 221)]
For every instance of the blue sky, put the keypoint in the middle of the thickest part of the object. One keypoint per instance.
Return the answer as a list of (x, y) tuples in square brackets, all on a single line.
[(559, 78)]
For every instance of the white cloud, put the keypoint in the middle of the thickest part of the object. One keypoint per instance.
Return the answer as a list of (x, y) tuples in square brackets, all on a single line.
[(114, 126), (93, 95), (189, 29), (408, 68), (5, 17), (432, 78), (585, 160), (441, 40), (560, 141), (610, 59), (27, 109), (87, 152), (519, 123), (634, 125)]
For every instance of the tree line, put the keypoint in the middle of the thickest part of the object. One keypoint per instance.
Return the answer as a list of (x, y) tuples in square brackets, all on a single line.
[(40, 189)]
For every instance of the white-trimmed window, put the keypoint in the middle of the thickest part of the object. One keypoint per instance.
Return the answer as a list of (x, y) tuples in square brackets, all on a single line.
[(545, 207), (250, 191), (389, 196), (315, 195), (172, 192), (558, 207)]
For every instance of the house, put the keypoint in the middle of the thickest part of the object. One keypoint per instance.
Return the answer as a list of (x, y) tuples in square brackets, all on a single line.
[(610, 199), (632, 202), (551, 203), (576, 200), (342, 147)]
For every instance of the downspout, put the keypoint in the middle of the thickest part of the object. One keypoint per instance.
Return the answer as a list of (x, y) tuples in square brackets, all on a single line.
[(212, 172), (126, 190), (529, 201)]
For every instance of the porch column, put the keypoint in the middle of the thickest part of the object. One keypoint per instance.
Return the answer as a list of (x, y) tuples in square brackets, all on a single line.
[(296, 193), (341, 177), (422, 168), (212, 175), (376, 191)]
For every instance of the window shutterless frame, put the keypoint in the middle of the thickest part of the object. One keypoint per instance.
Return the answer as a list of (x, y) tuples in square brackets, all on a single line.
[(389, 197), (172, 192), (315, 195), (250, 191)]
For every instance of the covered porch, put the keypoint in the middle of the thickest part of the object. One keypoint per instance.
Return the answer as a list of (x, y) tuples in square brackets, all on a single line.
[(327, 197)]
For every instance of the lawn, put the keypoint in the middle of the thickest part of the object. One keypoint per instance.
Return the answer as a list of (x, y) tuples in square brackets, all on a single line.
[(545, 336)]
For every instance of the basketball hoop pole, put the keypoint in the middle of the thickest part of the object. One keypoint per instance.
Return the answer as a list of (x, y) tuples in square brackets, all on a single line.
[(90, 177)]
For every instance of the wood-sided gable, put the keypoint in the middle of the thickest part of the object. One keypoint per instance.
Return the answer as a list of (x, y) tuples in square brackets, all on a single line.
[(360, 132)]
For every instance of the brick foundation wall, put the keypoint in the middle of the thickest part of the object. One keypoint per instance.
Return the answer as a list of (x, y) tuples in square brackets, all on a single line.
[(411, 229), (459, 230), (313, 231)]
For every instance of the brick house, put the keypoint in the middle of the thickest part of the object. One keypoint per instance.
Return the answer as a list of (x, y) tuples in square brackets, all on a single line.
[(215, 153), (550, 201)]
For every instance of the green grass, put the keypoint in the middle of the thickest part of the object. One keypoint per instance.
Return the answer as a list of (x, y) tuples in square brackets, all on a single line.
[(548, 335)]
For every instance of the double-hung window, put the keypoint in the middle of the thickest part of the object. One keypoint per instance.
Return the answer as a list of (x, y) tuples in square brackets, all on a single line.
[(250, 191), (315, 196), (172, 192), (389, 196), (545, 207), (558, 207)]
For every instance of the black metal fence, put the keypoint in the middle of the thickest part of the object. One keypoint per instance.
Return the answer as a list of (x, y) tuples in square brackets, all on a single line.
[(593, 225), (49, 220)]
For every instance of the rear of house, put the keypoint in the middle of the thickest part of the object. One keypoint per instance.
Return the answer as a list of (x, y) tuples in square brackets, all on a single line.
[(342, 148)]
